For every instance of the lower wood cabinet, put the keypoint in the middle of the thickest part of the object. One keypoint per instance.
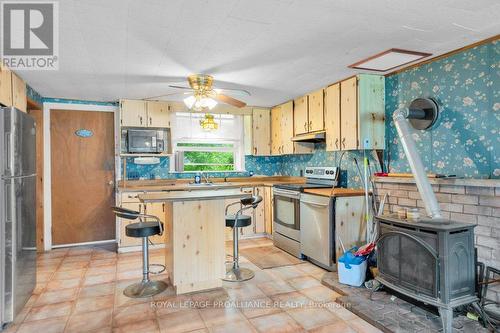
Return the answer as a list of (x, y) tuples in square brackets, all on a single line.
[(133, 203)]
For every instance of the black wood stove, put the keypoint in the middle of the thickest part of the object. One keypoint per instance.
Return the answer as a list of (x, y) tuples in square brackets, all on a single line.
[(432, 262)]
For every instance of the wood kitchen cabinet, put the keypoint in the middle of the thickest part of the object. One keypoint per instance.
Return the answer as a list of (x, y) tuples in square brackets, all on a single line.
[(158, 114), (332, 117), (261, 132), (138, 113), (19, 99), (268, 210), (350, 222), (276, 138), (300, 115), (124, 239), (5, 86), (282, 131), (133, 113), (362, 112), (158, 209), (315, 111), (259, 212)]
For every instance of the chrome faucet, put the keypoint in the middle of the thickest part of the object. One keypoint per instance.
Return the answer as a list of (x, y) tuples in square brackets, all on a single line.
[(205, 176)]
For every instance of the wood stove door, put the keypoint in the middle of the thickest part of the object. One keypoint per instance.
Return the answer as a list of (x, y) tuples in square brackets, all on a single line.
[(409, 262)]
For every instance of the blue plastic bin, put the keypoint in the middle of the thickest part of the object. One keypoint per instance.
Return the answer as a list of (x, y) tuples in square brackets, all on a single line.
[(351, 268)]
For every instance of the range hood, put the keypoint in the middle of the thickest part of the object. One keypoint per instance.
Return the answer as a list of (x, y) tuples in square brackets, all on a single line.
[(318, 136)]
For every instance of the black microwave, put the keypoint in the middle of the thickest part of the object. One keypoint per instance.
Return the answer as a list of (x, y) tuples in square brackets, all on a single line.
[(147, 141)]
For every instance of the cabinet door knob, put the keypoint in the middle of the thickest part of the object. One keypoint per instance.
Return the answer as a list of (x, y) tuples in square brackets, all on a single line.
[(150, 121), (337, 143), (255, 150), (140, 119)]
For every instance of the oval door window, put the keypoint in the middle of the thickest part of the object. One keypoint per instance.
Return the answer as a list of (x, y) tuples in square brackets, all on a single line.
[(84, 133)]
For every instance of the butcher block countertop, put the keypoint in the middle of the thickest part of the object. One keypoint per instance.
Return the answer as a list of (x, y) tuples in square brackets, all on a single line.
[(218, 183), (336, 192)]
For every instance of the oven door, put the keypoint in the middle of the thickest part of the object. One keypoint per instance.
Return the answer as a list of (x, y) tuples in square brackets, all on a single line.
[(142, 141), (287, 213)]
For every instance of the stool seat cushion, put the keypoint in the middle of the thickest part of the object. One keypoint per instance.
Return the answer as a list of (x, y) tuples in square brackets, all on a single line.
[(145, 229), (243, 220)]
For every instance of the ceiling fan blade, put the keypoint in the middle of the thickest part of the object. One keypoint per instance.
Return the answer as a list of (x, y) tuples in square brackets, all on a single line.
[(229, 100), (239, 92), (181, 87), (166, 95)]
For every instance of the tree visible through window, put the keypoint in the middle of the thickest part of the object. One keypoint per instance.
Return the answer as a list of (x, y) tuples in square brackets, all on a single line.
[(207, 156)]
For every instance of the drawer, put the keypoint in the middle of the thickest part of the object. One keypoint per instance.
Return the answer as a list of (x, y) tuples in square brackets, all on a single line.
[(132, 197)]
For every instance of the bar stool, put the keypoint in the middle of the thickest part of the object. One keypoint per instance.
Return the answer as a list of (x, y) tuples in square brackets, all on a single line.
[(143, 229), (234, 273)]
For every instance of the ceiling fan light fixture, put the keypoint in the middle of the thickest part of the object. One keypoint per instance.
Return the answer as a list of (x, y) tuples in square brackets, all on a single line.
[(190, 101)]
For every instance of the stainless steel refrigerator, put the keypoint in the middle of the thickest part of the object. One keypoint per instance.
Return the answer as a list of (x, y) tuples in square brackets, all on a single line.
[(17, 212)]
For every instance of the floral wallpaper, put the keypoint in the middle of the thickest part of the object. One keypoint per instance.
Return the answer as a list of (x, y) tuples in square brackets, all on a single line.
[(466, 140)]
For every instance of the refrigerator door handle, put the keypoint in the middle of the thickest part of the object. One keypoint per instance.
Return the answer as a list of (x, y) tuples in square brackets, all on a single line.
[(19, 177), (8, 140)]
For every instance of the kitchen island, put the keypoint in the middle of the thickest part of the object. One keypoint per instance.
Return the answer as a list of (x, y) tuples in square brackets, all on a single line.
[(195, 244)]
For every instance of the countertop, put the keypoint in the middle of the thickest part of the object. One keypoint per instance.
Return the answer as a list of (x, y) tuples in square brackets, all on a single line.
[(218, 183), (216, 194), (443, 181), (336, 192)]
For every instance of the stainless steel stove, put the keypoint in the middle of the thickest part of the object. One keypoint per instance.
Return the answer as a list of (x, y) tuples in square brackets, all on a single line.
[(286, 221)]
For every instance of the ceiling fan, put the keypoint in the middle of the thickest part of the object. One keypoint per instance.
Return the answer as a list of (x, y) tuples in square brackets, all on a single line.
[(203, 95)]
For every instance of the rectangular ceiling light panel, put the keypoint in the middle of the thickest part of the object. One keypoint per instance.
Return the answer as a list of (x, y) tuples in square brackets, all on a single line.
[(390, 59)]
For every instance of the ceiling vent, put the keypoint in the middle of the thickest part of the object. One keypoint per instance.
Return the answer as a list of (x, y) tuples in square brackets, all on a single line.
[(389, 59)]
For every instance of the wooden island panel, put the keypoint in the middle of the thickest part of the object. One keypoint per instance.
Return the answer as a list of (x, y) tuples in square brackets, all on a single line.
[(195, 249)]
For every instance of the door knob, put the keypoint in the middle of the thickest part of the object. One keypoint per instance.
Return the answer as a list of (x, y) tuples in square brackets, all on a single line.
[(111, 183)]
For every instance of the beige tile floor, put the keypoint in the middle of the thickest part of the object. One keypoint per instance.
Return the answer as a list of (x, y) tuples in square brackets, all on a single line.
[(80, 290)]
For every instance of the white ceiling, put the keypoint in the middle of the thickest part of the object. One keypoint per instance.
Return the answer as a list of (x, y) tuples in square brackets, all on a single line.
[(276, 49)]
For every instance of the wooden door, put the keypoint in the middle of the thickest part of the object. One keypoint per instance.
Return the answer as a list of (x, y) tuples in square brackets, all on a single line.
[(158, 114), (261, 132), (157, 209), (276, 130), (133, 113), (38, 116), (5, 86), (287, 128), (124, 239), (300, 117), (82, 176), (349, 114), (332, 117), (19, 99), (316, 117)]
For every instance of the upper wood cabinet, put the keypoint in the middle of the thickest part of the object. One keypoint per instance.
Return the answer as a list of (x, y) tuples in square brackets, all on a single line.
[(362, 112), (133, 113), (5, 86), (315, 113), (19, 99), (332, 117), (138, 113), (261, 132), (158, 114), (287, 128), (276, 137), (301, 121), (282, 132)]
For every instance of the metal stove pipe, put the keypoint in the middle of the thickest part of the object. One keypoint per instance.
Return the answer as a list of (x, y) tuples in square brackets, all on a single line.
[(400, 117)]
